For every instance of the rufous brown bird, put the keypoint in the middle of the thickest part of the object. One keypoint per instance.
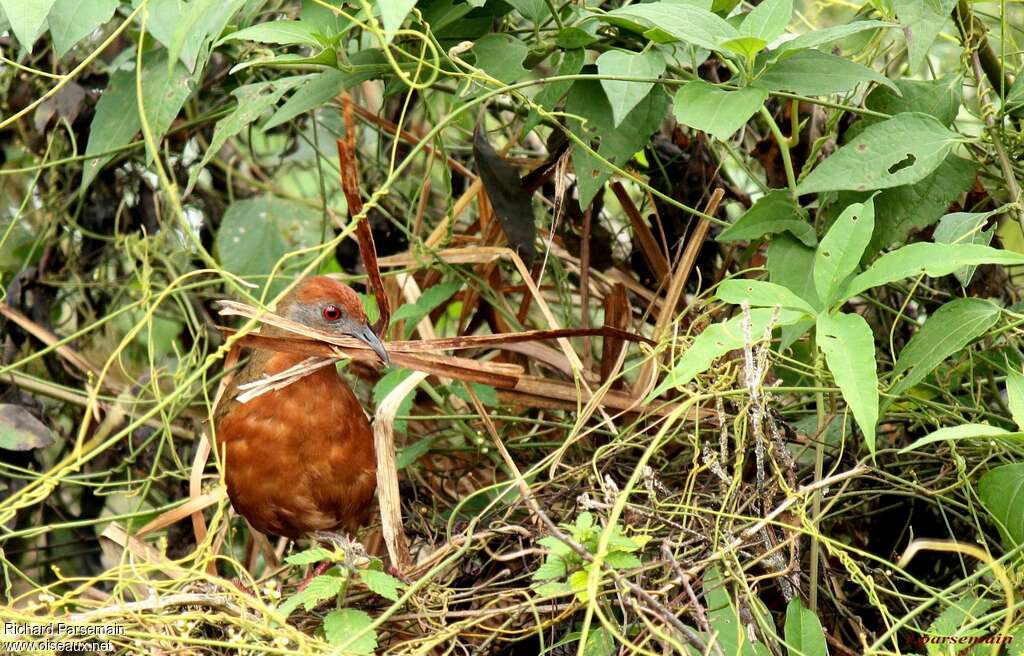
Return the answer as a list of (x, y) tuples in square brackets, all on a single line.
[(300, 460)]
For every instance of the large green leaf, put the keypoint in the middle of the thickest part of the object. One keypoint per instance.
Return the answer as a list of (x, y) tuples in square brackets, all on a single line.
[(116, 120), (849, 349), (21, 431), (903, 150), (717, 340), (962, 432), (804, 635), (1002, 492), (922, 21), (501, 56), (730, 633), (73, 20), (1015, 395), (548, 97), (618, 145), (393, 13), (841, 248), (343, 625), (189, 29), (284, 32), (27, 19), (256, 232), (814, 73), (947, 332), (759, 293), (253, 100), (768, 20), (941, 98), (930, 259), (684, 22), (816, 38), (622, 95), (773, 213), (718, 112), (323, 86), (791, 264)]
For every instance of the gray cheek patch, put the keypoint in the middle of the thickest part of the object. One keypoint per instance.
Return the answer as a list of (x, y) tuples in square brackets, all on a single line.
[(313, 317)]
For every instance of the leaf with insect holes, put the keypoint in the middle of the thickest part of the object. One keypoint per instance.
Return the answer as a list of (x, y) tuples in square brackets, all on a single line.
[(624, 95), (902, 150), (841, 248), (349, 629), (759, 293), (849, 349)]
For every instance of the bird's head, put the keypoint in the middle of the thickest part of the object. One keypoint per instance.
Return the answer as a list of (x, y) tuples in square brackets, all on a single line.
[(326, 304)]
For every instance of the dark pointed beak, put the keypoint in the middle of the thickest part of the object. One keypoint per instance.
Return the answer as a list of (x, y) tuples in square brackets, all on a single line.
[(370, 338)]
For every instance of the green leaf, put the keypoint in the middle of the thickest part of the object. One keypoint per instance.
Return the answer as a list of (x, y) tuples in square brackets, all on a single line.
[(622, 560), (312, 555), (385, 386), (342, 626), (552, 589), (431, 298), (487, 394), (816, 38), (285, 32), (964, 228), (324, 86), (1002, 493), (962, 432), (723, 616), (253, 100), (922, 21), (717, 340), (930, 259), (548, 97), (761, 294), (393, 13), (947, 332), (1015, 395), (773, 213), (940, 98), (903, 150), (804, 636), (320, 588), (553, 568), (849, 349), (73, 20), (768, 20), (814, 73), (535, 10), (901, 211), (746, 47), (189, 29), (27, 19), (841, 248), (113, 125), (684, 22), (116, 120), (381, 583), (791, 264), (718, 112), (21, 431), (410, 454), (555, 545), (578, 583), (618, 145), (624, 96), (600, 642), (256, 232), (501, 56)]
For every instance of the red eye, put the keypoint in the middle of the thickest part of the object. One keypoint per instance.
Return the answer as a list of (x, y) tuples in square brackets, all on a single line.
[(332, 312)]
